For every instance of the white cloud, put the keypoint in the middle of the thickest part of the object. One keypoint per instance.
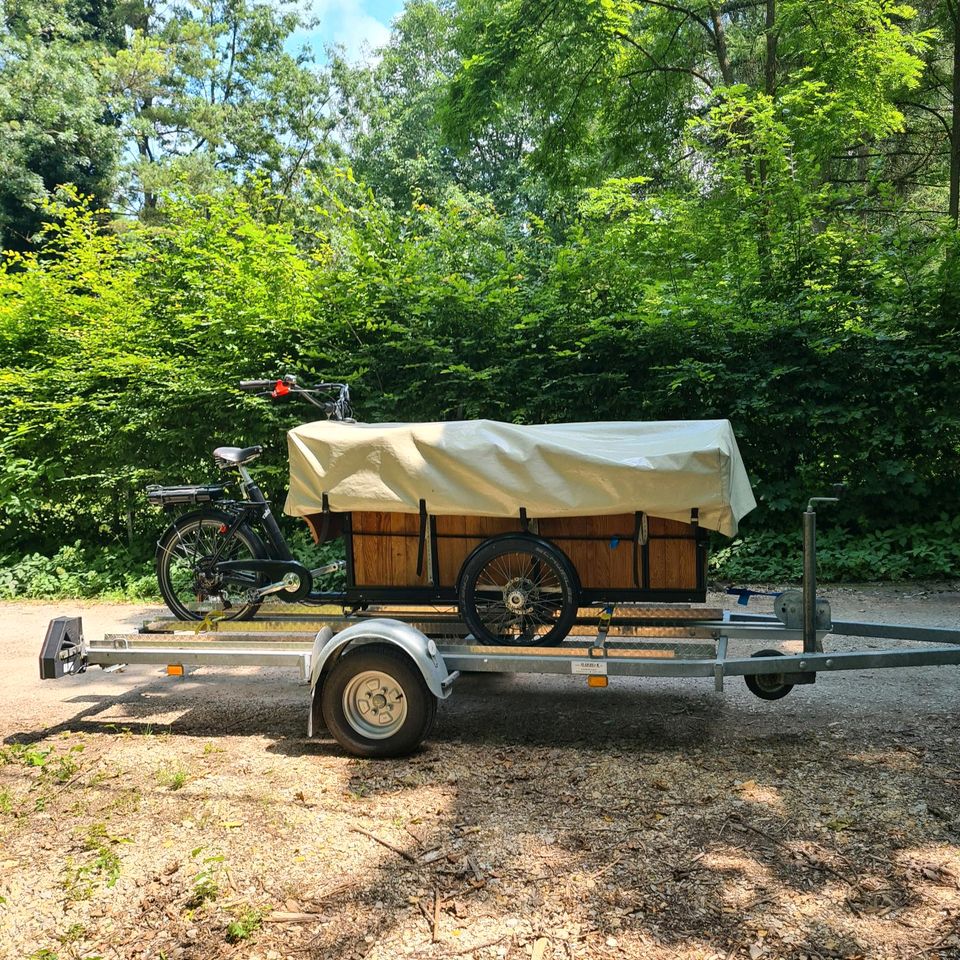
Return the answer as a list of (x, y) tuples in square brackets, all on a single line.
[(343, 22), (359, 32)]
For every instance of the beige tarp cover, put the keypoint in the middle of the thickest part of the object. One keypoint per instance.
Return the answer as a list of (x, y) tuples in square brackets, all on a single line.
[(486, 468)]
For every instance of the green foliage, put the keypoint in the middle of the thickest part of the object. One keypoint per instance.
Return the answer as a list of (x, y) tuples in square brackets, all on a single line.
[(245, 926), (100, 868), (206, 91), (120, 352), (919, 551), (573, 211), (173, 778), (25, 754), (53, 125), (614, 85), (205, 885), (109, 572), (389, 122)]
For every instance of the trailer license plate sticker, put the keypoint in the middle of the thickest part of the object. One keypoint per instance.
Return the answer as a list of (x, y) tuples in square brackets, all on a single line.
[(590, 668)]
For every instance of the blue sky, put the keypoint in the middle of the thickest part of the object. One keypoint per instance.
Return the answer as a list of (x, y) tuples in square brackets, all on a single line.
[(359, 25)]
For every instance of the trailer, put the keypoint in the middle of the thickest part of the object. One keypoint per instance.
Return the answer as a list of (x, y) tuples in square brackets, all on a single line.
[(376, 676)]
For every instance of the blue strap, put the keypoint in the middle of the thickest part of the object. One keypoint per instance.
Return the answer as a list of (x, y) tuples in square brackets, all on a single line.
[(743, 595)]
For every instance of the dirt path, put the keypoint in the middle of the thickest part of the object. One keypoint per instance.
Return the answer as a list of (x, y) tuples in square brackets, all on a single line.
[(142, 816)]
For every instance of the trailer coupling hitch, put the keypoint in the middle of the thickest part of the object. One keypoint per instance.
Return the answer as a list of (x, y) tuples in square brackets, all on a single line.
[(64, 649)]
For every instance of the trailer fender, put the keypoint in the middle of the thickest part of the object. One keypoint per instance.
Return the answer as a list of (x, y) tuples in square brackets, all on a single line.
[(329, 647)]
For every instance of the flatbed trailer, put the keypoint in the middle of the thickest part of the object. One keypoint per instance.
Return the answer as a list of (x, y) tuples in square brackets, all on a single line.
[(376, 676)]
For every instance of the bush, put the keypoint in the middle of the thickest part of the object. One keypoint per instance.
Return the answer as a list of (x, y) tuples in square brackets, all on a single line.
[(79, 571), (908, 552), (119, 352)]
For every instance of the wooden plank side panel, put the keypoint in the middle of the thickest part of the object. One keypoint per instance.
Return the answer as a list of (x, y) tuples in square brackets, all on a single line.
[(673, 555), (605, 560), (458, 536), (660, 527), (385, 550), (600, 548)]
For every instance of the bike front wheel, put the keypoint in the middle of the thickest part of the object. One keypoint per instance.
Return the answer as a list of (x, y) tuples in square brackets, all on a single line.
[(186, 556)]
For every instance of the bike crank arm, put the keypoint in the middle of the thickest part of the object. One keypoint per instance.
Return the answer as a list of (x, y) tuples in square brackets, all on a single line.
[(290, 583), (294, 580)]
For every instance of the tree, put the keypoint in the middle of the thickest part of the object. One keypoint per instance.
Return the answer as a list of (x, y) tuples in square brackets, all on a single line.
[(208, 94), (617, 85), (389, 120), (54, 126)]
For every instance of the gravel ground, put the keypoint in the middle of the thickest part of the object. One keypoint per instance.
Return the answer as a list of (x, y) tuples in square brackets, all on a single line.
[(146, 816)]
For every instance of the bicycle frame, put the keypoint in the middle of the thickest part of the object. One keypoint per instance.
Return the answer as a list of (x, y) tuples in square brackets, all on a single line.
[(276, 542), (293, 582)]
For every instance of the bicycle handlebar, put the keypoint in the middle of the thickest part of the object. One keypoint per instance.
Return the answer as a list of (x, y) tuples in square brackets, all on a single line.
[(338, 409)]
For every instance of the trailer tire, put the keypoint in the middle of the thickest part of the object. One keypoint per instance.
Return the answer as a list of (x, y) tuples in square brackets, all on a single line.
[(768, 686), (375, 702)]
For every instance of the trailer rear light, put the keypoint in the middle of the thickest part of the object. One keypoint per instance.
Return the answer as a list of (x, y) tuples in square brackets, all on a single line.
[(175, 670)]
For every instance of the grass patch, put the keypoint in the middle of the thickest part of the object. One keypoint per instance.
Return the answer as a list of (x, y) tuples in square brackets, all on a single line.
[(245, 926), (205, 886), (102, 868), (173, 778)]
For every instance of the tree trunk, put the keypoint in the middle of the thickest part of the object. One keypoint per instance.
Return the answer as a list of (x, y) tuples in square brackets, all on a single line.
[(954, 207), (770, 63), (769, 86), (720, 44)]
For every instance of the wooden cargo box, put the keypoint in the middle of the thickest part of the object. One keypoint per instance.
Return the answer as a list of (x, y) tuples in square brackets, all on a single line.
[(622, 557)]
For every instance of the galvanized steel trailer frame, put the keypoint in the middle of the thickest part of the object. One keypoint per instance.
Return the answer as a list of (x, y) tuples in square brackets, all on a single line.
[(633, 641), (691, 649), (66, 646)]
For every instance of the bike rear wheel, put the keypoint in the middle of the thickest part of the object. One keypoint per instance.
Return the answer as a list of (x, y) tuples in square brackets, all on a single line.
[(188, 582)]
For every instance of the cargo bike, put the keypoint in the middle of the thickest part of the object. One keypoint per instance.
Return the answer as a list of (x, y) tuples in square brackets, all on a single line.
[(517, 526), (476, 546)]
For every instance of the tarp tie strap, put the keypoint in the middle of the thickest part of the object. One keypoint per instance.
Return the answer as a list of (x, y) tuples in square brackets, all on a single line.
[(325, 524), (637, 533), (421, 544)]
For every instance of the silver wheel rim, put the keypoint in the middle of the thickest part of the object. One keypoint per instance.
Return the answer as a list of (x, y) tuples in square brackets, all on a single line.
[(374, 704), (518, 595)]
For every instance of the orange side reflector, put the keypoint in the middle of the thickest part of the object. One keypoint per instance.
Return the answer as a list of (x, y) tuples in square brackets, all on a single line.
[(597, 681), (174, 669)]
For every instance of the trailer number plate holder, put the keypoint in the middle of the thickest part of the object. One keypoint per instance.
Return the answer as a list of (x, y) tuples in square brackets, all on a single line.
[(590, 668)]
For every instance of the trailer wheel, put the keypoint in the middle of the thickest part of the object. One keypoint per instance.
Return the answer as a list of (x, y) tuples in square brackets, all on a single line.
[(518, 590), (768, 686), (376, 703)]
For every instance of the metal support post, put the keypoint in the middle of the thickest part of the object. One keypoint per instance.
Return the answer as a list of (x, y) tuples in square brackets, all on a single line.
[(810, 580), (718, 664), (810, 644)]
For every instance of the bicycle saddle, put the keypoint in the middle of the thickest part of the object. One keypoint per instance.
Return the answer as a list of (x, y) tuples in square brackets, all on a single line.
[(234, 456)]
